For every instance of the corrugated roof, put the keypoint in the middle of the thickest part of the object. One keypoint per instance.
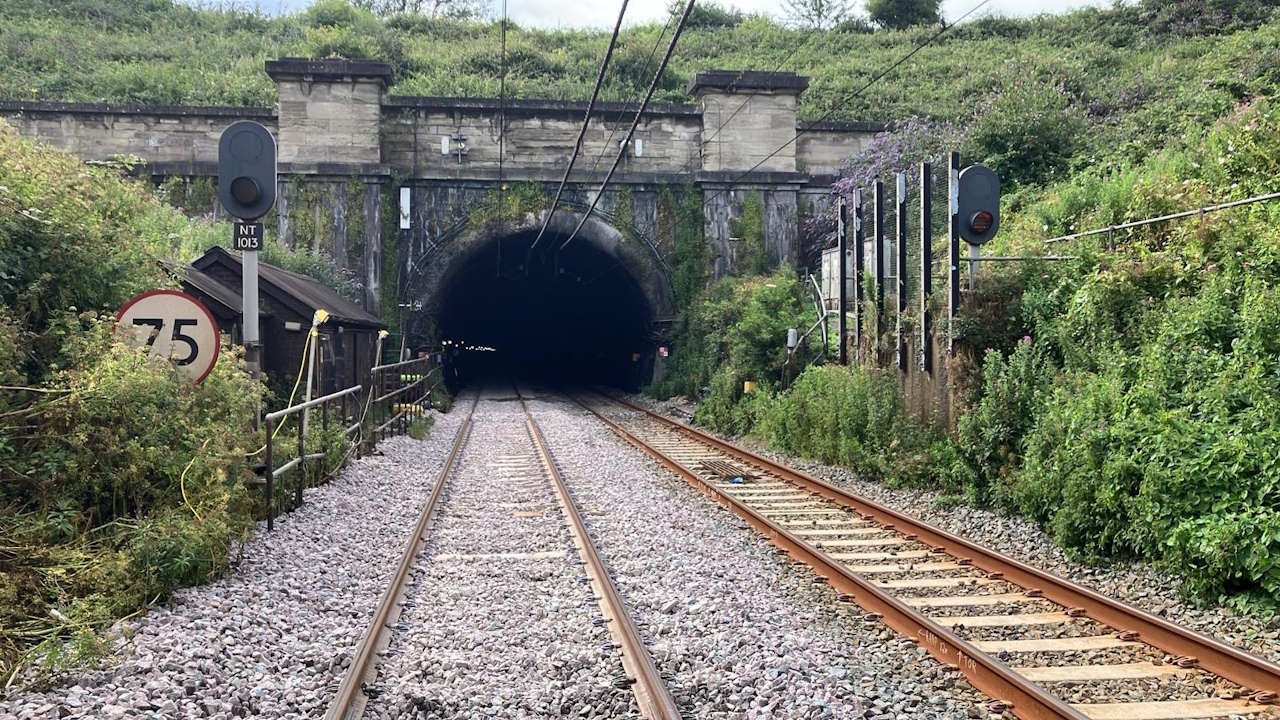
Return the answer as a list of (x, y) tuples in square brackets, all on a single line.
[(300, 289)]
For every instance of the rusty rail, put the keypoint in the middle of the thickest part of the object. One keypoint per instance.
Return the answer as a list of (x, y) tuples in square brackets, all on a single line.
[(300, 461), (655, 700), (986, 673), (349, 700)]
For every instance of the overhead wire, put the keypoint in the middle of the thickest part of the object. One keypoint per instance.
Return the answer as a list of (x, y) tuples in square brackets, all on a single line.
[(647, 64), (622, 150), (586, 122)]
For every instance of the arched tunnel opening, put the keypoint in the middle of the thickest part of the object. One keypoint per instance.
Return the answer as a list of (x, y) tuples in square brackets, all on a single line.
[(574, 317)]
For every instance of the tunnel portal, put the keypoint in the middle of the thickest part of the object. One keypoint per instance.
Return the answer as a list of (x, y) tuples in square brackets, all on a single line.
[(574, 317)]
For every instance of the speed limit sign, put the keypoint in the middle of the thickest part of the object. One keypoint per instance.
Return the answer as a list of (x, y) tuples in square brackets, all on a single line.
[(174, 325)]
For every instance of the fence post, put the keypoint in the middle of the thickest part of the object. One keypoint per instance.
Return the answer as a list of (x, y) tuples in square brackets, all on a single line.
[(859, 263), (842, 303), (271, 476), (953, 249), (302, 460), (879, 253), (900, 269), (926, 267)]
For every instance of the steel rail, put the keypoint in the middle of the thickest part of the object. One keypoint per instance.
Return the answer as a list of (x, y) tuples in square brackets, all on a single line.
[(346, 704), (654, 698), (984, 672), (1249, 671)]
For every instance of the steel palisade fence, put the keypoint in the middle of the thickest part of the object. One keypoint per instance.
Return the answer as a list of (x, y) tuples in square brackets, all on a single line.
[(395, 397)]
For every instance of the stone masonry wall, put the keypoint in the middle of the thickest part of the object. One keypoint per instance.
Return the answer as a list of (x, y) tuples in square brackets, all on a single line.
[(158, 135), (539, 139)]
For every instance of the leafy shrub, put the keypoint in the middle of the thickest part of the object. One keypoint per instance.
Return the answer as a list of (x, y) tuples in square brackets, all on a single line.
[(708, 16), (119, 480), (1190, 18), (334, 14), (991, 435), (748, 319), (1027, 131), (853, 417)]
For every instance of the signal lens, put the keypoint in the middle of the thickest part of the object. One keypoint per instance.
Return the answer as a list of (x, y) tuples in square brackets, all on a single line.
[(245, 190), (981, 222)]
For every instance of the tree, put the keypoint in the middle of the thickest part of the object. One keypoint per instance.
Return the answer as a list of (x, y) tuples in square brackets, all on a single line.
[(899, 14), (817, 14)]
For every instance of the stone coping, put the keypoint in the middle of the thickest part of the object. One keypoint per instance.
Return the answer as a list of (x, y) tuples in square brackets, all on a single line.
[(76, 108), (739, 80), (329, 69)]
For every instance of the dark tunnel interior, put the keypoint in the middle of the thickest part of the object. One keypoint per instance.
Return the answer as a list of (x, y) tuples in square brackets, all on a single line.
[(577, 318)]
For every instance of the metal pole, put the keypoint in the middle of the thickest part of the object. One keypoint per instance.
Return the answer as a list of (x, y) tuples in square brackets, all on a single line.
[(271, 477), (926, 267), (842, 304), (249, 311), (953, 248), (302, 466), (312, 346), (900, 269), (859, 262), (879, 253)]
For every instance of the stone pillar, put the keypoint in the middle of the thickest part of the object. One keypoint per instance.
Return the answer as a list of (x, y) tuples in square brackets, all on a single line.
[(330, 111), (330, 117), (746, 115), (748, 129)]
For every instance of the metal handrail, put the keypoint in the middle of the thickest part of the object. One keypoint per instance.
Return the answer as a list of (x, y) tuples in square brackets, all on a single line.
[(385, 413), (402, 363), (273, 416), (270, 420), (1165, 218)]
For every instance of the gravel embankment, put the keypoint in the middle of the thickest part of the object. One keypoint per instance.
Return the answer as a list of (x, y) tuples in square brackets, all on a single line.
[(738, 630), (499, 620), (1139, 584), (271, 638)]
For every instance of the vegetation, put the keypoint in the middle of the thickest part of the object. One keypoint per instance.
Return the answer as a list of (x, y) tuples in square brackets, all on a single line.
[(1125, 399), (119, 481), (900, 14), (1137, 71), (1137, 415)]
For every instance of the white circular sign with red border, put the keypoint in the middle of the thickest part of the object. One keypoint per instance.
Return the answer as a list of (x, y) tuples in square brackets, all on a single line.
[(174, 325)]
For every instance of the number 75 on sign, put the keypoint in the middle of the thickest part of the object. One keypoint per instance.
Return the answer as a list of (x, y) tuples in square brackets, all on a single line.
[(173, 325)]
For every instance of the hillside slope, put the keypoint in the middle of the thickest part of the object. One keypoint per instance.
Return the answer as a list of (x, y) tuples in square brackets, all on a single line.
[(1133, 74)]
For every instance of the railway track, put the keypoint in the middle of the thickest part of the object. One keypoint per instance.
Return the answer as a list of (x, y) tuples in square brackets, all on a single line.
[(1027, 638), (530, 468)]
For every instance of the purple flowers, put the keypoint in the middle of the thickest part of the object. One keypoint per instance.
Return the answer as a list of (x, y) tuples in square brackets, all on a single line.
[(902, 148)]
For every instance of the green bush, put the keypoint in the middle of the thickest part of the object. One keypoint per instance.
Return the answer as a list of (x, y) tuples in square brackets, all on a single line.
[(1157, 438), (119, 480), (991, 434), (745, 321), (856, 418), (1027, 131)]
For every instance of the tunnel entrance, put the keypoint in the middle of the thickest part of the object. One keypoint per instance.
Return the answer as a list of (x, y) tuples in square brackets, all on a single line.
[(576, 317)]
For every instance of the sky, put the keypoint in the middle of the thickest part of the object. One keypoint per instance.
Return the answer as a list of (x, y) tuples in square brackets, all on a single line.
[(603, 13)]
